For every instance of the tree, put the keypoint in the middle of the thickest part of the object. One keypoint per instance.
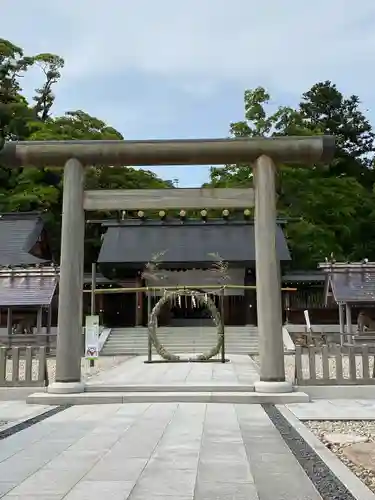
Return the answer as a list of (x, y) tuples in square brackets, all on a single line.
[(40, 189), (324, 108), (44, 98), (331, 209)]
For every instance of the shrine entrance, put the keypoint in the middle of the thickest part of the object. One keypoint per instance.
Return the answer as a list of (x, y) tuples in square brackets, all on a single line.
[(261, 152)]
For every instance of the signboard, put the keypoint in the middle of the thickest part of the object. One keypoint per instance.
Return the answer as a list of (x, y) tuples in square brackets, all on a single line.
[(92, 337), (307, 319)]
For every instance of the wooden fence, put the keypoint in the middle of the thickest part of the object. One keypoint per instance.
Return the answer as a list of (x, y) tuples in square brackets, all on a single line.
[(30, 340), (23, 367), (335, 365)]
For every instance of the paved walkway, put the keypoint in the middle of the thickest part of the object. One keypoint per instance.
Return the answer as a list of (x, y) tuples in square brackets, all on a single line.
[(13, 412), (240, 370), (158, 451), (335, 409), (154, 452)]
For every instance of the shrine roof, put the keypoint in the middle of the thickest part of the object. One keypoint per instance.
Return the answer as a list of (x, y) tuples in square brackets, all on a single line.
[(189, 243), (19, 235), (27, 286), (350, 282)]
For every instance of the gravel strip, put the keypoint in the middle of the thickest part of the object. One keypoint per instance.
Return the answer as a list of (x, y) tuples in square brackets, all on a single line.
[(358, 427), (324, 480), (290, 366), (320, 428), (102, 364)]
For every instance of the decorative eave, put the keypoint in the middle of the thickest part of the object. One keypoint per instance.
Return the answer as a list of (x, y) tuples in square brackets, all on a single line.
[(346, 266), (29, 271)]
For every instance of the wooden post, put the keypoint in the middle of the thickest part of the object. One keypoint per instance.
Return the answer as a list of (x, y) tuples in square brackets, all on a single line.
[(222, 314), (93, 288), (271, 347), (348, 311), (138, 303), (69, 338), (101, 308), (342, 323), (49, 319), (48, 329), (39, 321), (250, 299), (9, 325), (287, 306), (9, 321), (149, 343)]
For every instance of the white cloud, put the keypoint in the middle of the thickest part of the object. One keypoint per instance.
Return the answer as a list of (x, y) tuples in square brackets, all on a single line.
[(201, 44)]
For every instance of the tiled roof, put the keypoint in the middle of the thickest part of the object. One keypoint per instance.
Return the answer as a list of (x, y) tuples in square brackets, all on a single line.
[(353, 286), (19, 233), (193, 243), (27, 287), (351, 282)]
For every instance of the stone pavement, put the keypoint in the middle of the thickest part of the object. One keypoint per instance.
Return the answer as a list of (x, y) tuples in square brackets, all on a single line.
[(136, 382), (154, 452), (240, 370), (334, 409)]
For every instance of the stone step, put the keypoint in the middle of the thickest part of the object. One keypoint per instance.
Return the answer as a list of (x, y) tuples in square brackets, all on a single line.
[(171, 341), (185, 337), (143, 351), (210, 387), (182, 331), (186, 343), (192, 347), (87, 398), (180, 340), (144, 335)]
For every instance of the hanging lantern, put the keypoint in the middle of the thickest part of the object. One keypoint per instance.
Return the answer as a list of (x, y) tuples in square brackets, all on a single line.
[(162, 215), (182, 214)]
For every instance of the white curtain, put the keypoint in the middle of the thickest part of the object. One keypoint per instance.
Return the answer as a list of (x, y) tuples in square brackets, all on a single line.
[(199, 278)]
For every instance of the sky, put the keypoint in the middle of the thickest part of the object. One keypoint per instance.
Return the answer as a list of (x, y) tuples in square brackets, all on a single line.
[(157, 69)]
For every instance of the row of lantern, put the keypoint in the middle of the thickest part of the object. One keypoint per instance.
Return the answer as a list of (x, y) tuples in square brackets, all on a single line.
[(183, 214)]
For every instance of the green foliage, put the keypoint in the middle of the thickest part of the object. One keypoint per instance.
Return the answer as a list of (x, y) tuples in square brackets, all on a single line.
[(41, 189), (330, 209)]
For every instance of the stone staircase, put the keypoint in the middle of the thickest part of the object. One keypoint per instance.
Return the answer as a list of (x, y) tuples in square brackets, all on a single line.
[(178, 340)]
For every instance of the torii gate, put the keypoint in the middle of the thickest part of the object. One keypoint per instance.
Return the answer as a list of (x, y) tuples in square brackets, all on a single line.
[(263, 153)]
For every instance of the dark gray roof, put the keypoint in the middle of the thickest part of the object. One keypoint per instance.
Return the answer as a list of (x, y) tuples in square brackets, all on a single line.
[(27, 290), (304, 277), (134, 244), (19, 232), (354, 286)]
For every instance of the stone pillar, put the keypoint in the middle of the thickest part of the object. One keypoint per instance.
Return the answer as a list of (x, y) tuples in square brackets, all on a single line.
[(271, 348), (69, 328)]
